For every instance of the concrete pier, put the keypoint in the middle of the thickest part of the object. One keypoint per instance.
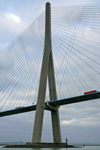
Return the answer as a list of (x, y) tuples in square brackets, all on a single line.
[(43, 145)]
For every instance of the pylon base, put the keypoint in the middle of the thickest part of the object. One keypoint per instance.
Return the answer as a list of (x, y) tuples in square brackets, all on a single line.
[(42, 145)]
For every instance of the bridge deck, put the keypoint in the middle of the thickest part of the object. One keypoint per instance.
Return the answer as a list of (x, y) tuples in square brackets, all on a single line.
[(55, 103)]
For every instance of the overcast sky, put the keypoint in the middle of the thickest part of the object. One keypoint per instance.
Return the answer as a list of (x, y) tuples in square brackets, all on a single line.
[(80, 123)]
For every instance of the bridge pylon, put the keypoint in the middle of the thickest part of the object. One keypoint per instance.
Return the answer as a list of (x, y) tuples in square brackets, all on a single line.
[(47, 70)]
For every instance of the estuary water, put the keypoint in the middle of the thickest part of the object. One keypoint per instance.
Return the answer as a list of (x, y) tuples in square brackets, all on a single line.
[(84, 148)]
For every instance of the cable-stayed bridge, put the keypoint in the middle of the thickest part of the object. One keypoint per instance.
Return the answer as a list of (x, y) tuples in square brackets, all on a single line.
[(71, 60)]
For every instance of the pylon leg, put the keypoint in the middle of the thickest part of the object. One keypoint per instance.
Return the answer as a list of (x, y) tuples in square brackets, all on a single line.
[(53, 96), (41, 99), (56, 126)]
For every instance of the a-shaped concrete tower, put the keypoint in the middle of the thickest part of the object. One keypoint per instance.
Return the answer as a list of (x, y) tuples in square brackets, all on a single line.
[(47, 70)]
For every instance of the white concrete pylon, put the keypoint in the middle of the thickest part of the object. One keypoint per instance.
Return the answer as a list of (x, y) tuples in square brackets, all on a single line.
[(46, 70)]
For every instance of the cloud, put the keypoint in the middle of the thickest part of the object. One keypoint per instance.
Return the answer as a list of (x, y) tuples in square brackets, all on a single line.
[(15, 18), (70, 122), (87, 122)]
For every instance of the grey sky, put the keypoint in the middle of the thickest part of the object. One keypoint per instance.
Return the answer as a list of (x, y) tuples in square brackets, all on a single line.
[(79, 122)]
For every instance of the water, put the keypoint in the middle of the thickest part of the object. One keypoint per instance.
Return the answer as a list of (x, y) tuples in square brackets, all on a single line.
[(84, 148)]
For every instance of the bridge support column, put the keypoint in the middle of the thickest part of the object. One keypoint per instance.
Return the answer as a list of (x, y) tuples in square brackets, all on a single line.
[(53, 96), (47, 70)]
